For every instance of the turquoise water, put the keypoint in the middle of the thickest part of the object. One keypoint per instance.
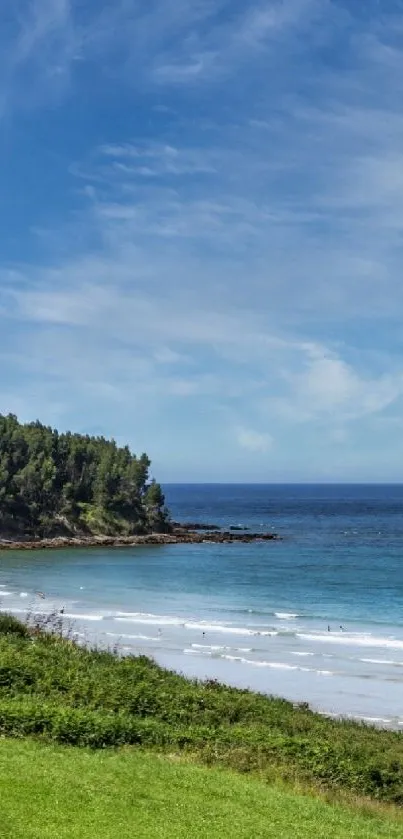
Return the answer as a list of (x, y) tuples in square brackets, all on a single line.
[(317, 616)]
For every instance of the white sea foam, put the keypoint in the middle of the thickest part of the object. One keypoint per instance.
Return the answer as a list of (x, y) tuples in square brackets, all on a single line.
[(351, 639), (91, 617), (215, 627), (218, 648), (5, 593), (23, 594), (194, 625), (206, 653), (376, 661), (287, 616), (230, 630), (148, 619), (381, 661), (302, 654), (133, 637), (276, 665)]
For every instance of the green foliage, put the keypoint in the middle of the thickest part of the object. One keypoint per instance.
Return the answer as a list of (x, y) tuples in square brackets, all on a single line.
[(53, 688), (9, 625), (53, 483), (154, 502)]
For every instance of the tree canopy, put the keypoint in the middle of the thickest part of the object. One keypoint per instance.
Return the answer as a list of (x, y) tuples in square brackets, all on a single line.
[(53, 483)]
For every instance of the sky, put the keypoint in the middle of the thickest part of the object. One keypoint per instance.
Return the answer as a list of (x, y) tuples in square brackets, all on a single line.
[(201, 207)]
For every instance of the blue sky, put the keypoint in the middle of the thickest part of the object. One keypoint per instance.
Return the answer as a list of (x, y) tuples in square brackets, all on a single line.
[(201, 231)]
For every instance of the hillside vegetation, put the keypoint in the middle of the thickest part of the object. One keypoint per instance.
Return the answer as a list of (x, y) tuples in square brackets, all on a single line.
[(53, 688), (58, 484)]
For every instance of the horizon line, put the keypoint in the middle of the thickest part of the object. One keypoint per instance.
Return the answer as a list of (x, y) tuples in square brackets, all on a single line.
[(282, 483)]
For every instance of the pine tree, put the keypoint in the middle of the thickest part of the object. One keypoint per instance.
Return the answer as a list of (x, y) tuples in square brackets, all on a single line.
[(49, 480)]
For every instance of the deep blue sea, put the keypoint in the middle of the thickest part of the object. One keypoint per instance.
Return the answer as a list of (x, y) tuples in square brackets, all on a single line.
[(316, 617)]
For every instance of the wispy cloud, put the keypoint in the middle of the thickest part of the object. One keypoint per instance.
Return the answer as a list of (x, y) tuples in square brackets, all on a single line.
[(331, 389), (223, 247), (154, 159), (166, 42), (230, 40), (44, 24), (38, 44)]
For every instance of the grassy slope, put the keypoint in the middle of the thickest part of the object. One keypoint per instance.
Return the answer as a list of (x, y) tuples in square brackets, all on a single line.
[(48, 791), (65, 693)]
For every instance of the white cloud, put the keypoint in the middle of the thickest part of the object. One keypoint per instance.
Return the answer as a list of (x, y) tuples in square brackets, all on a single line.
[(253, 441), (330, 388)]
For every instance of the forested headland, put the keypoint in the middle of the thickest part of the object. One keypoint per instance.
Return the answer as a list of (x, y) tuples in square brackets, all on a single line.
[(55, 483)]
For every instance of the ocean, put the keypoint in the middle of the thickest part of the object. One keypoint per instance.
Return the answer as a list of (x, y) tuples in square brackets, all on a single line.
[(315, 617)]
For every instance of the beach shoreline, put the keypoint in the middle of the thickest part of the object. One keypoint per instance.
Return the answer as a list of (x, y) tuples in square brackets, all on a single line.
[(313, 618)]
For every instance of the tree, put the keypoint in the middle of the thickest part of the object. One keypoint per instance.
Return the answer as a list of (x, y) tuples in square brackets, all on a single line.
[(48, 478), (154, 501)]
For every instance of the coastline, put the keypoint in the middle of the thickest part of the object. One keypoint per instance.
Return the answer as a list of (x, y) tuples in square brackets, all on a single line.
[(180, 535), (251, 615), (247, 614)]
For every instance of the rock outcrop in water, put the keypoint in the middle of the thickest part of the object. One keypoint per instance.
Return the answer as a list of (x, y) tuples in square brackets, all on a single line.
[(181, 534), (196, 526), (239, 527)]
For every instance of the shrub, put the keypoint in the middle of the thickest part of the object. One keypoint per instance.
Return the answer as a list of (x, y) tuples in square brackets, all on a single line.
[(52, 687), (9, 625)]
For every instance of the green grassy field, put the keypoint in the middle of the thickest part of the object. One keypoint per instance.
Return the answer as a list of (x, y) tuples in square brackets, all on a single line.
[(49, 791)]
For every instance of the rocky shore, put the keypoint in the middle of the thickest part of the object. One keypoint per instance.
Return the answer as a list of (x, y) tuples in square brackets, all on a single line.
[(181, 534)]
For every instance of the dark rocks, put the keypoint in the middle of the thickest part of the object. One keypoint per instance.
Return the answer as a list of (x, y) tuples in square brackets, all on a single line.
[(180, 535), (227, 536), (194, 526)]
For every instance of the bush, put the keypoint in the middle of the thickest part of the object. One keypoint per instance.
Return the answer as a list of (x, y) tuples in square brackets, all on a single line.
[(53, 688), (9, 625)]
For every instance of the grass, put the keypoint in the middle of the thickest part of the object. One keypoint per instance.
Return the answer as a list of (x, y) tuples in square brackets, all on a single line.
[(53, 689), (49, 790)]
